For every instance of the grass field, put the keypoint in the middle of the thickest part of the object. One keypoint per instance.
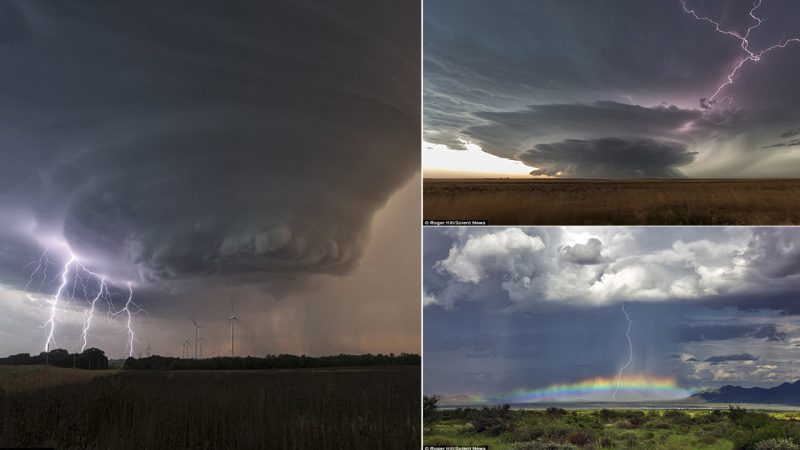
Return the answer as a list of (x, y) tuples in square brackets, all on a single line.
[(15, 379), (613, 202), (559, 429), (277, 409)]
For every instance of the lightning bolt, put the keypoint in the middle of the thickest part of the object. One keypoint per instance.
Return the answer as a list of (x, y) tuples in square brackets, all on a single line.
[(744, 43), (51, 322), (630, 354), (129, 316), (75, 273), (88, 322)]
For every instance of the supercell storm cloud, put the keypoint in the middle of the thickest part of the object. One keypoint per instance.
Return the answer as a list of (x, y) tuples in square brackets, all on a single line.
[(620, 89), (222, 145)]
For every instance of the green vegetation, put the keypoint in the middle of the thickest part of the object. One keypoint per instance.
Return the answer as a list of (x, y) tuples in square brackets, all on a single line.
[(501, 428), (364, 408)]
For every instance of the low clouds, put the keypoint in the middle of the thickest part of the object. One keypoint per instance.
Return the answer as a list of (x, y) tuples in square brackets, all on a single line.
[(716, 332), (726, 358), (608, 158)]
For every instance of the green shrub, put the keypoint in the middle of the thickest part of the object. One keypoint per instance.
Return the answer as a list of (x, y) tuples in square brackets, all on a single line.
[(776, 444), (542, 445), (630, 439), (579, 437)]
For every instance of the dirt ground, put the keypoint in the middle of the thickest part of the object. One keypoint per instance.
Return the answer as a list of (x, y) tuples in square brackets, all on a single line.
[(614, 202)]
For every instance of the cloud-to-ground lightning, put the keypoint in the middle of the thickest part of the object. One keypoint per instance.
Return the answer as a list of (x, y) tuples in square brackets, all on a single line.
[(51, 322), (74, 272), (630, 354), (744, 43), (88, 323)]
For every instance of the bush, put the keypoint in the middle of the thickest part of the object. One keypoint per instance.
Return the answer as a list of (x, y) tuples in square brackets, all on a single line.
[(658, 424), (579, 437), (776, 444), (630, 439), (625, 424), (542, 445)]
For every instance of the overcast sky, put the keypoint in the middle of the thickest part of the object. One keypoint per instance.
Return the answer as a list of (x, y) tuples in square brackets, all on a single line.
[(524, 308), (208, 153), (616, 89)]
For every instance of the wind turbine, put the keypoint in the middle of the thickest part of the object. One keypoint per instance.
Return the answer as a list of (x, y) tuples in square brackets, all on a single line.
[(202, 339), (233, 319), (196, 337), (148, 350), (186, 345)]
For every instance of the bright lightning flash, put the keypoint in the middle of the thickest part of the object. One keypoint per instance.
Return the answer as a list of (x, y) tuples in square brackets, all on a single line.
[(630, 353), (744, 43), (74, 272)]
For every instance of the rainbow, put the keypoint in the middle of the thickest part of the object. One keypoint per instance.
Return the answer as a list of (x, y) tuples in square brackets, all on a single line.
[(631, 387)]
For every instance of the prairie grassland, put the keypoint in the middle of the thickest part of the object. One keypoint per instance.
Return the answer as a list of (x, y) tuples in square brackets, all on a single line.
[(614, 202), (276, 409), (28, 378), (559, 429)]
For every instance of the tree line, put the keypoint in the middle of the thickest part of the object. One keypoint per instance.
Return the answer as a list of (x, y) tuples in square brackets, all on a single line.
[(91, 358), (270, 362), (94, 358)]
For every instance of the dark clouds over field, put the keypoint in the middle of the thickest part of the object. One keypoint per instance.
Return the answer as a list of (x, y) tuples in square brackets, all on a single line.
[(551, 83), (510, 308), (191, 146)]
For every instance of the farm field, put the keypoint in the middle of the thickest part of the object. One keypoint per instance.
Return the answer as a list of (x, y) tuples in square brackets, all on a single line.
[(560, 429), (278, 409), (613, 202)]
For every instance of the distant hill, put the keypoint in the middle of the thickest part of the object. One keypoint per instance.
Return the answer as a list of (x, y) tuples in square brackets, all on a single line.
[(785, 394)]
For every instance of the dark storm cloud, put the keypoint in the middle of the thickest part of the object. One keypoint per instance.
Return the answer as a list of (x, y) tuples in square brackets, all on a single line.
[(193, 140), (736, 357), (588, 253), (506, 133), (717, 332), (608, 157), (792, 143), (790, 133), (588, 79), (775, 252)]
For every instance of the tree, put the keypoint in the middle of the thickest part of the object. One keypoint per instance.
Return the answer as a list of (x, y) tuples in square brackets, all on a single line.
[(430, 404)]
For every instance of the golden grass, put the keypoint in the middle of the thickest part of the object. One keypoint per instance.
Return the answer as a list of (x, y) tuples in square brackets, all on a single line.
[(614, 202), (29, 378)]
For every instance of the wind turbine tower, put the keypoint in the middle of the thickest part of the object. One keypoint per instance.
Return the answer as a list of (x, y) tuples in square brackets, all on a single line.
[(196, 337), (232, 319)]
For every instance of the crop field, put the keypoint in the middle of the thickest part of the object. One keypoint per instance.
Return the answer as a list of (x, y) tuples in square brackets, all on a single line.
[(357, 408), (28, 378), (613, 202), (559, 429)]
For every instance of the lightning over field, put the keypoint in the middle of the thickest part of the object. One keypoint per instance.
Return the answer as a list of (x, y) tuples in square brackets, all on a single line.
[(72, 275), (158, 168)]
